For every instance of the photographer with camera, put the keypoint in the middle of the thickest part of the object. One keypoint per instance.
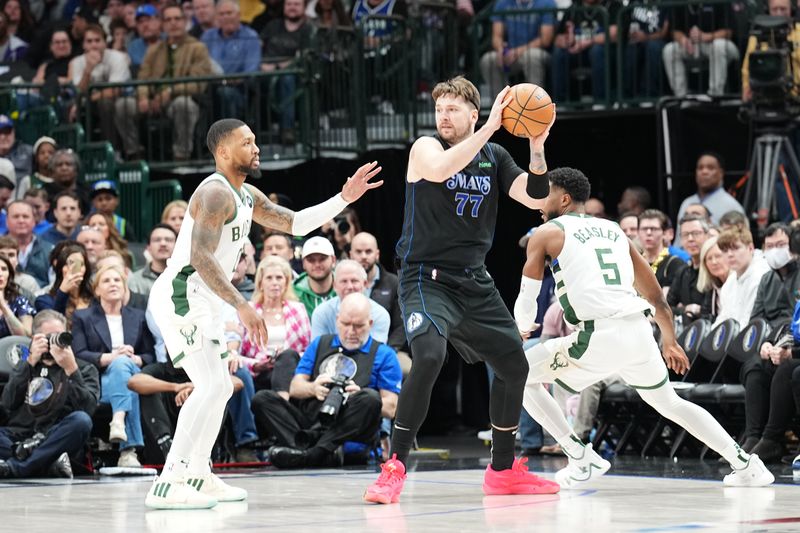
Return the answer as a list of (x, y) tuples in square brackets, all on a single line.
[(50, 398), (341, 230), (342, 387)]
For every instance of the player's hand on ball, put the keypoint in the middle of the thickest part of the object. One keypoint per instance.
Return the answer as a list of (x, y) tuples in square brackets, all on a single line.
[(359, 183), (676, 359), (537, 142), (495, 119), (255, 324)]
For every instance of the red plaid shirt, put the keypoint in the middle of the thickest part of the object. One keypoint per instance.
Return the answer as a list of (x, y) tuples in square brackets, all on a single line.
[(298, 336)]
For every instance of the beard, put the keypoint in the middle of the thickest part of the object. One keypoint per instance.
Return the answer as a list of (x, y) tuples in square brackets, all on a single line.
[(250, 172), (294, 19), (552, 215)]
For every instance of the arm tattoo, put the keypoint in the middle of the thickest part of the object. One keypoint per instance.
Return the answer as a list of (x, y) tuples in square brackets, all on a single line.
[(538, 164), (269, 214), (210, 208)]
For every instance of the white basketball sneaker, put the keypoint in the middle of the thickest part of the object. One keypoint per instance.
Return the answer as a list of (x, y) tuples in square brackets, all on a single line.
[(177, 494), (211, 485), (581, 469), (754, 474)]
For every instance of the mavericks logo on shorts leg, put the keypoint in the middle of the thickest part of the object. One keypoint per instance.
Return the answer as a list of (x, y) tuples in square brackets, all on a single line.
[(414, 321)]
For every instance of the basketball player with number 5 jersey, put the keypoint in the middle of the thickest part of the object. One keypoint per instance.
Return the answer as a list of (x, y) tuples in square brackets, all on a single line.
[(187, 297), (599, 278), (453, 183)]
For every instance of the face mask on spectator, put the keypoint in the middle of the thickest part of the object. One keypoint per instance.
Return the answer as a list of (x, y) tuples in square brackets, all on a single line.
[(778, 257)]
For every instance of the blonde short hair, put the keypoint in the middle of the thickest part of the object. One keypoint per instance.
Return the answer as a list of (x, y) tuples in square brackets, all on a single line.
[(105, 268), (274, 261), (172, 205), (458, 86)]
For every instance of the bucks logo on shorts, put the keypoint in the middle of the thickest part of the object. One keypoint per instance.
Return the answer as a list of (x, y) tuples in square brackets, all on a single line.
[(558, 362), (414, 321), (188, 334)]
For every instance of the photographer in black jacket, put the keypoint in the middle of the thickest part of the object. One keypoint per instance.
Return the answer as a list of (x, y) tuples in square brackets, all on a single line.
[(49, 398)]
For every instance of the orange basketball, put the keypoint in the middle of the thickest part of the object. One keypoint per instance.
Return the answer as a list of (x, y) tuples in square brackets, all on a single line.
[(529, 112)]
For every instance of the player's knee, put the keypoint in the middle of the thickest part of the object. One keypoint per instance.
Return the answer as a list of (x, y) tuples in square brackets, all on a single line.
[(430, 350), (511, 367)]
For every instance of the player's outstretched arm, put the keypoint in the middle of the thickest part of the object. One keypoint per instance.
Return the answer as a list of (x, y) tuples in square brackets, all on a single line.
[(430, 162), (302, 222), (646, 283), (211, 206), (525, 307), (532, 187)]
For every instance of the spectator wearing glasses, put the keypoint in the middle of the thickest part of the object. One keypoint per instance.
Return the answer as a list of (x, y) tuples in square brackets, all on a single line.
[(652, 226), (684, 297)]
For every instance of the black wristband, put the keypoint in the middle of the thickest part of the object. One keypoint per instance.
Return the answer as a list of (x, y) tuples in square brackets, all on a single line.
[(538, 185)]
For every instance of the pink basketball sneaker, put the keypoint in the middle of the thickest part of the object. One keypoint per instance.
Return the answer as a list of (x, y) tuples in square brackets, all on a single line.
[(516, 480), (389, 484)]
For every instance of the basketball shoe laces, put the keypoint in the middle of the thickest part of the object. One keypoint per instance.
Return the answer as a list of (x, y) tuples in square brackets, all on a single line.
[(390, 474)]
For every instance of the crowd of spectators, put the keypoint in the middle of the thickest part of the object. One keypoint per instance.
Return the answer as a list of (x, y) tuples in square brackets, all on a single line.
[(570, 48), (66, 264), (66, 255)]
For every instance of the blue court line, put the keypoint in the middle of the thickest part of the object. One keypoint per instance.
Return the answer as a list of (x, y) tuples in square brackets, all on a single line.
[(551, 499)]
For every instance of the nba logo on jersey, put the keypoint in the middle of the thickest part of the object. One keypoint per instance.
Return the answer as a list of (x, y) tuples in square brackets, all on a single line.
[(414, 321)]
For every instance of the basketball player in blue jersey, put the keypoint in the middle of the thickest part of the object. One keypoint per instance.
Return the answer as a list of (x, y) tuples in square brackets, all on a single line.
[(187, 297), (453, 183)]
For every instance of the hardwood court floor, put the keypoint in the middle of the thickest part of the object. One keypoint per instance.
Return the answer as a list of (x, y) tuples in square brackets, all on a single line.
[(640, 496)]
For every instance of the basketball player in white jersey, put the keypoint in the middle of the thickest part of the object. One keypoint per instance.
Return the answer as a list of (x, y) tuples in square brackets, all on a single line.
[(186, 300), (598, 274)]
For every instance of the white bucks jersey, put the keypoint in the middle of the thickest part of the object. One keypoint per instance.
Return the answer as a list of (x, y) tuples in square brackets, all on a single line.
[(231, 242), (594, 271)]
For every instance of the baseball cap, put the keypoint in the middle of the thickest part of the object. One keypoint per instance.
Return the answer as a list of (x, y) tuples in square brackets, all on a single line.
[(317, 245), (146, 10), (85, 12), (104, 186), (7, 169), (6, 122)]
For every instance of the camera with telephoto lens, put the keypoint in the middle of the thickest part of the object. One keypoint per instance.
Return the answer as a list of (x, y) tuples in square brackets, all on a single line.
[(25, 448), (62, 340), (329, 411), (342, 368)]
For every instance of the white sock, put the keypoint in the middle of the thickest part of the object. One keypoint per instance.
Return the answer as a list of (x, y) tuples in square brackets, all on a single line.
[(696, 421), (174, 467), (545, 410)]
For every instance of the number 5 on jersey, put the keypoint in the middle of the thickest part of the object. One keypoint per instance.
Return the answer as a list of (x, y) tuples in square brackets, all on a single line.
[(610, 271)]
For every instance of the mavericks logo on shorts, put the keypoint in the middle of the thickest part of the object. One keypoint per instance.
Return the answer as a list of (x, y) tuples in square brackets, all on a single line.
[(414, 321)]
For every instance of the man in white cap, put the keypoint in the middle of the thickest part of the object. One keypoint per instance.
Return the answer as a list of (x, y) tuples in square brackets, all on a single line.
[(315, 285), (20, 153)]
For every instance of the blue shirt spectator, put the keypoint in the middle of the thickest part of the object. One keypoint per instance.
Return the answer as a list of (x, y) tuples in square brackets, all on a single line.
[(386, 373), (323, 319), (236, 48), (148, 27), (523, 28)]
